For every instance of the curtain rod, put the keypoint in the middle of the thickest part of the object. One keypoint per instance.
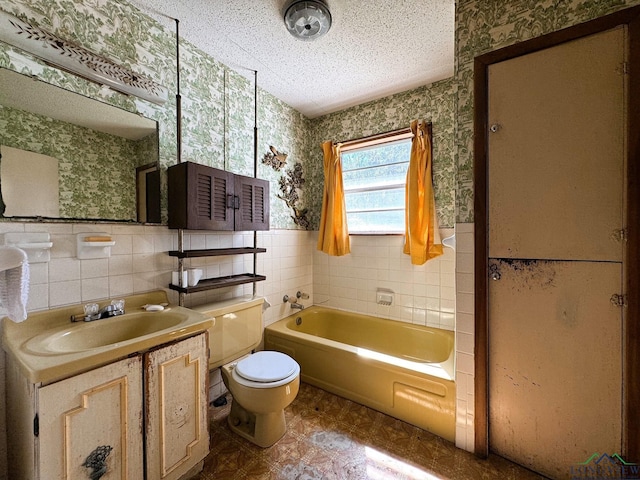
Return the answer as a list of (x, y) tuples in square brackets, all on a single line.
[(379, 137)]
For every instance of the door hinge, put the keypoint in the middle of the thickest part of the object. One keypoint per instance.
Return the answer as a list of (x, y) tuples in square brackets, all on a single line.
[(623, 69), (36, 425), (618, 300), (619, 235)]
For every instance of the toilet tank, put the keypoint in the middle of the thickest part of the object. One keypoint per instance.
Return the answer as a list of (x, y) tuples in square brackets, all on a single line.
[(237, 328)]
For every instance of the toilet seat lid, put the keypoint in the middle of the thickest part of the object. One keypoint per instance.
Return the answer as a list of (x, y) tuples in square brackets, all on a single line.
[(266, 366)]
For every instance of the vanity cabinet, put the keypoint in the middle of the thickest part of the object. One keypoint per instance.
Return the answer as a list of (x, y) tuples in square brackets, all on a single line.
[(206, 198), (109, 422)]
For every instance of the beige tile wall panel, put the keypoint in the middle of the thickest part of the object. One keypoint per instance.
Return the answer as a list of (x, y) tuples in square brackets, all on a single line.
[(557, 154)]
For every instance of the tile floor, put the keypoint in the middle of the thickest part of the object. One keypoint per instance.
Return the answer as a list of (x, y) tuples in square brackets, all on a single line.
[(329, 437)]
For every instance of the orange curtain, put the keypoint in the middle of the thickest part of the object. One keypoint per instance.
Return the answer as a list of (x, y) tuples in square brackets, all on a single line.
[(422, 236), (334, 234)]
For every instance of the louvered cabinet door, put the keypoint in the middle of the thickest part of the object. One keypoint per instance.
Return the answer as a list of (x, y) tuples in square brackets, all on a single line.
[(200, 197), (211, 192), (253, 203)]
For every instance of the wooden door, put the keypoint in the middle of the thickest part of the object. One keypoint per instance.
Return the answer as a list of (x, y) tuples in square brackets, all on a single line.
[(556, 202), (93, 422), (177, 422)]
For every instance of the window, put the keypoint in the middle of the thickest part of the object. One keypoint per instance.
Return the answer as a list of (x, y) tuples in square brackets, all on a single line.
[(374, 176)]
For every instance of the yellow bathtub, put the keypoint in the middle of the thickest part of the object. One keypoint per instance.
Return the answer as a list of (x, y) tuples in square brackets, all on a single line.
[(400, 369)]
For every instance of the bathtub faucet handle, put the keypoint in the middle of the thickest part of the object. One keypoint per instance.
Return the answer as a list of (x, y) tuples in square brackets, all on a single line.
[(302, 295)]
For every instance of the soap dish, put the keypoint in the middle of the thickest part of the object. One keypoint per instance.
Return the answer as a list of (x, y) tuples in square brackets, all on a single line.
[(94, 245), (384, 297)]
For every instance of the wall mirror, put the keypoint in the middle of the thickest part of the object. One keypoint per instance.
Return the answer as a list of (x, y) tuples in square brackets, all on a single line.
[(106, 158)]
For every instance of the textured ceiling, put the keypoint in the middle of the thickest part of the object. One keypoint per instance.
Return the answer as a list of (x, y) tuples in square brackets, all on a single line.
[(374, 49)]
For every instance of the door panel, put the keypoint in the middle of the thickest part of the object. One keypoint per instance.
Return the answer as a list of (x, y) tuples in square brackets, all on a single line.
[(554, 362), (556, 157)]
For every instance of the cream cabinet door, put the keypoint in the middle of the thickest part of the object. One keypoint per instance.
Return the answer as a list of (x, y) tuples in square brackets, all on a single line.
[(177, 433), (91, 425)]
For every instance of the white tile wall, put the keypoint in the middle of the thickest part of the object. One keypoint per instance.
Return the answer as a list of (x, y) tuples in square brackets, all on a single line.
[(464, 337), (439, 293), (424, 294)]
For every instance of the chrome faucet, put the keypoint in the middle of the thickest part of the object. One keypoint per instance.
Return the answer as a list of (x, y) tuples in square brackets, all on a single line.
[(292, 301), (93, 312)]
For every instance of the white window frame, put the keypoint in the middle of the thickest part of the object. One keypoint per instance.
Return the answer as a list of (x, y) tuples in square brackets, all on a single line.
[(373, 142)]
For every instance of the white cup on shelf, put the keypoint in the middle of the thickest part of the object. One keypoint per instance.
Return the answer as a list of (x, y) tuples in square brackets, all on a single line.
[(195, 274), (176, 275)]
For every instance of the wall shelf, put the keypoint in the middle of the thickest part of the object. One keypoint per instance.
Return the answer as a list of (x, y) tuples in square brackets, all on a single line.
[(35, 244), (215, 252), (220, 282)]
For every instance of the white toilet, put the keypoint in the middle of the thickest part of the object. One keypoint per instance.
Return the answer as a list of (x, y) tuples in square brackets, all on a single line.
[(262, 384)]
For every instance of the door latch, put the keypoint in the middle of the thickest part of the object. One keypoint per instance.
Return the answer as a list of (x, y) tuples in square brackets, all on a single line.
[(495, 127), (494, 272), (619, 300)]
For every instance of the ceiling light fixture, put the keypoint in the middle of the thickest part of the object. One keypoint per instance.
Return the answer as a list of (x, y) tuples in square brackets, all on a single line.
[(307, 19)]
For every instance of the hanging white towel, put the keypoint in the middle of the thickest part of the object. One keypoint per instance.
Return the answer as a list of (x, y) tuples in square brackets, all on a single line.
[(14, 282)]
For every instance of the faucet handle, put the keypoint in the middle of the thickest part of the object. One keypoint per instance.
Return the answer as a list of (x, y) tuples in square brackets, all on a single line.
[(119, 304), (302, 295), (289, 299), (91, 308)]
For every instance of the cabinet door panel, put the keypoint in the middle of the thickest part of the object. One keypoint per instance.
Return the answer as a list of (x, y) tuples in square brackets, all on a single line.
[(96, 412), (198, 197), (177, 433), (253, 211)]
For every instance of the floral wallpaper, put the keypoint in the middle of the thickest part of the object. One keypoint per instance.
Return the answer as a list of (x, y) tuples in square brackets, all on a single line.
[(218, 103), (483, 26)]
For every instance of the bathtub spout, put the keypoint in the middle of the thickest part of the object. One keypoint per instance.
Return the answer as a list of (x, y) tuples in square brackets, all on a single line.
[(292, 301)]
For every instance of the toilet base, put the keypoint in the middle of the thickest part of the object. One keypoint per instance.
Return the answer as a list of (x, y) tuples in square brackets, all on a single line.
[(263, 429)]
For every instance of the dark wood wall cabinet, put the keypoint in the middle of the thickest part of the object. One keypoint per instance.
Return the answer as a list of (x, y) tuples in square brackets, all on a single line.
[(207, 198)]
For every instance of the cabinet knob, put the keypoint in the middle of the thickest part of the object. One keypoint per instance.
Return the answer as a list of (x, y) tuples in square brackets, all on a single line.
[(97, 461)]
